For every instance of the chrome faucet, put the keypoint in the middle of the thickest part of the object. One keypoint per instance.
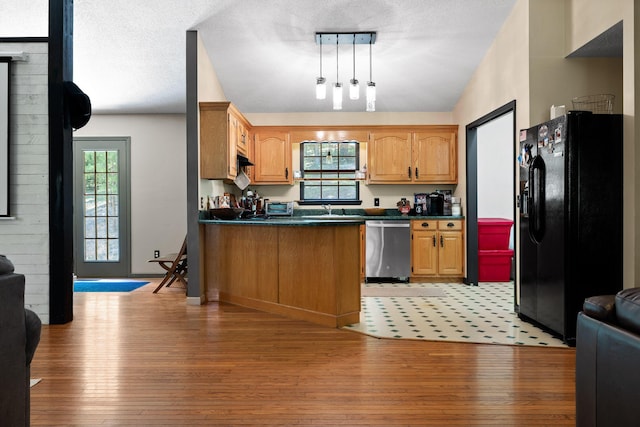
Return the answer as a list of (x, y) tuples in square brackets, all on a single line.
[(327, 207)]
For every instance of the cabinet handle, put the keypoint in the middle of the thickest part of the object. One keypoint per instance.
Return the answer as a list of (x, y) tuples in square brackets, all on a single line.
[(450, 225), (417, 174), (425, 224), (434, 241), (286, 173), (409, 171), (441, 241)]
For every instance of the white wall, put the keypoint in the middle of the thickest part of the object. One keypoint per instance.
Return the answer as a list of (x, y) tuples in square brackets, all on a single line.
[(158, 181), (501, 77), (495, 168), (24, 238), (528, 54), (585, 20)]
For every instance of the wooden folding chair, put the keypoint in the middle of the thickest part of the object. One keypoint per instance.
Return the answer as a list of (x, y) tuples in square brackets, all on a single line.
[(175, 266)]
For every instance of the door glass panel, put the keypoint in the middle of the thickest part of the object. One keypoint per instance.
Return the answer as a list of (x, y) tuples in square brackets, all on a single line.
[(90, 228), (101, 249), (101, 227), (89, 249), (101, 213)]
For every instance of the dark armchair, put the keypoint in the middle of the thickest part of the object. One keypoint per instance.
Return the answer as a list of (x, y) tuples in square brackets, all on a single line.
[(607, 357), (19, 338)]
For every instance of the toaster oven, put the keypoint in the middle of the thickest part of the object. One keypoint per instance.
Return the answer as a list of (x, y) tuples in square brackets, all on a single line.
[(279, 208)]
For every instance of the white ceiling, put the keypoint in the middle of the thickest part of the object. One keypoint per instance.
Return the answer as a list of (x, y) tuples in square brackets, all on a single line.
[(129, 56)]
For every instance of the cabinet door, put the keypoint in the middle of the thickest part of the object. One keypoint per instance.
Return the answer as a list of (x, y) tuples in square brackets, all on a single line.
[(389, 157), (272, 157), (215, 150), (450, 253), (434, 157), (424, 253), (250, 170), (232, 150), (363, 252), (242, 139)]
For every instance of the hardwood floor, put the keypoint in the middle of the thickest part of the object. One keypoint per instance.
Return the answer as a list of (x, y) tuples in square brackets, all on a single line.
[(143, 359)]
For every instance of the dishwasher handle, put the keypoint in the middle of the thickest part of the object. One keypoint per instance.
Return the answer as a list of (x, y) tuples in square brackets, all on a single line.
[(389, 224)]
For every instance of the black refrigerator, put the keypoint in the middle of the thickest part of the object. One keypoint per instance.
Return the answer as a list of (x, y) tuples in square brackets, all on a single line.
[(570, 217)]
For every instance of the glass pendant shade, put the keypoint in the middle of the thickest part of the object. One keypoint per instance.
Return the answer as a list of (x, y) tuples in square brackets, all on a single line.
[(354, 89), (337, 96), (321, 88), (371, 96)]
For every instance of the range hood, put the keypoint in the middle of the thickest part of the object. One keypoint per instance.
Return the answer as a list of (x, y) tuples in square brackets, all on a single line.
[(243, 161)]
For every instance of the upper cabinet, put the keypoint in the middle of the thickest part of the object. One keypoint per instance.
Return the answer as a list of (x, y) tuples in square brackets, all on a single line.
[(389, 157), (243, 140), (223, 133), (395, 155), (424, 156), (435, 157), (272, 157)]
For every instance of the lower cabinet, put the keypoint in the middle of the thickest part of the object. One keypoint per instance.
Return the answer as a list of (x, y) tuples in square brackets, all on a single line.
[(437, 249), (363, 252), (309, 273)]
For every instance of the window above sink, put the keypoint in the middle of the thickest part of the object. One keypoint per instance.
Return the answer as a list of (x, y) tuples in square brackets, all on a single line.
[(329, 172)]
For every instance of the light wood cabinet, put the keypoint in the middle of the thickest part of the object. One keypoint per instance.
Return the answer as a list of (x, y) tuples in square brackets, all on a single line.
[(389, 157), (434, 157), (242, 138), (272, 157), (425, 156), (282, 274), (222, 130), (363, 252), (437, 249)]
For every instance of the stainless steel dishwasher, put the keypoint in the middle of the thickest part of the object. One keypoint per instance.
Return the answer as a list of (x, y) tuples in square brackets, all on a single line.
[(388, 250)]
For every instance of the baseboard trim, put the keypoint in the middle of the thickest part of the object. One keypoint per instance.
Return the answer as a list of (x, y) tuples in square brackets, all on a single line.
[(196, 300)]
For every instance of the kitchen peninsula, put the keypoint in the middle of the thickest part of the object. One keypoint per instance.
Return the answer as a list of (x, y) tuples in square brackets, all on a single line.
[(307, 269)]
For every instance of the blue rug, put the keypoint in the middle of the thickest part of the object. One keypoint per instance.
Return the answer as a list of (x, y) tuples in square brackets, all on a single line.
[(106, 285)]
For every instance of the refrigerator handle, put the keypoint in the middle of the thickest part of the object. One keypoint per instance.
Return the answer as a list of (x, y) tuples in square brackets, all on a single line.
[(537, 181)]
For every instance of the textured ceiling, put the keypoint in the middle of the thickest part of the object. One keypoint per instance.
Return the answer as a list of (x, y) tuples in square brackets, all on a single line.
[(129, 56)]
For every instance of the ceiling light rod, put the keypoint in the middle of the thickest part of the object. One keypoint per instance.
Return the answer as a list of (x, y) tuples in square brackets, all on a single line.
[(353, 37), (321, 82), (337, 87), (354, 86)]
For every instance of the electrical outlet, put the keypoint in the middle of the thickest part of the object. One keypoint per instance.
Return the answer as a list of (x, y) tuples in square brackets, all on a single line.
[(156, 254), (376, 201)]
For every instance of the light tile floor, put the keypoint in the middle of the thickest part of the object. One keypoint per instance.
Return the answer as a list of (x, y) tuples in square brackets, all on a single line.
[(475, 314)]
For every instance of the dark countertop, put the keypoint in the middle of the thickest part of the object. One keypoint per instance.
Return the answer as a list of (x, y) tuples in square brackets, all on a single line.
[(317, 217)]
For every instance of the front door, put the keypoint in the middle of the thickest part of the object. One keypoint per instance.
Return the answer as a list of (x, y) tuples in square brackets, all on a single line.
[(101, 207)]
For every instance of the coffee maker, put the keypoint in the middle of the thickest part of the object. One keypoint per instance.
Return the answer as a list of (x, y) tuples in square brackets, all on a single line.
[(435, 204)]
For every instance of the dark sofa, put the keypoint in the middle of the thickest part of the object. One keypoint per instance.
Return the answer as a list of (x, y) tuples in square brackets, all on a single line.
[(608, 360), (19, 337)]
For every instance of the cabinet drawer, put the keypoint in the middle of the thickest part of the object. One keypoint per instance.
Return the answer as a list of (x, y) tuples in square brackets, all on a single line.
[(424, 224), (449, 225)]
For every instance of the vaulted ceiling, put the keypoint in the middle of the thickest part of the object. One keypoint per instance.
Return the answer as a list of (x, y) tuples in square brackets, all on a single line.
[(129, 56)]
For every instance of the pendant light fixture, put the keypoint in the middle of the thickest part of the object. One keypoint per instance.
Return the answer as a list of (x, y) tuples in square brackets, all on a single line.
[(371, 86), (354, 87), (321, 82), (337, 87), (351, 38)]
